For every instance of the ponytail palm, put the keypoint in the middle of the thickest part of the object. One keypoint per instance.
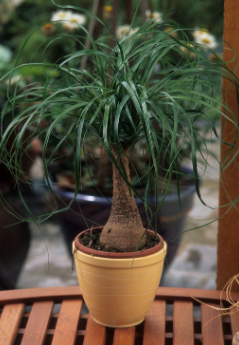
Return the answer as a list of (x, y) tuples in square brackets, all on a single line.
[(132, 94)]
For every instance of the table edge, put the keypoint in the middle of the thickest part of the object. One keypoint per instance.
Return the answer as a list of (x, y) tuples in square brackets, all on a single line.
[(74, 292)]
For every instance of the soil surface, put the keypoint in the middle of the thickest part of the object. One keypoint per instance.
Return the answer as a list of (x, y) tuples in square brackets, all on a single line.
[(91, 239)]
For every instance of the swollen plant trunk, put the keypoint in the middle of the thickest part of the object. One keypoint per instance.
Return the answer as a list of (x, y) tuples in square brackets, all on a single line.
[(124, 228)]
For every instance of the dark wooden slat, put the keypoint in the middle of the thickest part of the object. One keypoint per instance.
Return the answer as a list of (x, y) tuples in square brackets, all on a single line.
[(36, 328), (66, 327), (183, 327), (154, 325), (42, 294), (94, 334), (10, 320), (124, 336), (234, 321), (212, 333)]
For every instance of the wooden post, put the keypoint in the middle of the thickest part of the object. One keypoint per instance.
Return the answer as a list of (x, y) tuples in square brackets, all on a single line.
[(150, 6), (128, 15), (143, 11), (114, 18), (228, 228), (98, 26), (113, 27), (114, 24), (94, 27)]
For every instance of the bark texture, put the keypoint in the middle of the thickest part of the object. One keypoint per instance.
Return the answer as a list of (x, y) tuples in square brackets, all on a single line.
[(228, 224), (124, 227)]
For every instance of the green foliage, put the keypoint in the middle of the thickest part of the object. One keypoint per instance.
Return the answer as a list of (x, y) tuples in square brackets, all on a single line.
[(206, 14), (132, 94), (31, 15)]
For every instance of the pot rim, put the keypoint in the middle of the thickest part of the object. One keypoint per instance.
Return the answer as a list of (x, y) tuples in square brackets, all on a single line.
[(112, 255)]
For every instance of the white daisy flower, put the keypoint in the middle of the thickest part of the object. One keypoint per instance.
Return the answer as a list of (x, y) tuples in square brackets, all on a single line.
[(14, 80), (17, 2), (157, 16), (185, 50), (199, 32), (68, 26), (172, 33), (133, 30), (70, 20), (125, 30), (206, 39), (77, 19), (61, 15), (74, 22), (148, 14)]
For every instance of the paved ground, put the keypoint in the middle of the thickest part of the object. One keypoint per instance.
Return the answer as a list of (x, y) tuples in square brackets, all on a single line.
[(194, 265)]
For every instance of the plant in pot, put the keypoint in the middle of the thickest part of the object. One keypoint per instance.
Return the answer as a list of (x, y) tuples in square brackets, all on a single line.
[(89, 201), (119, 101)]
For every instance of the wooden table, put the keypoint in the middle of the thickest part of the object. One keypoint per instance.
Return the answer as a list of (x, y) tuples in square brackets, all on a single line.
[(52, 316)]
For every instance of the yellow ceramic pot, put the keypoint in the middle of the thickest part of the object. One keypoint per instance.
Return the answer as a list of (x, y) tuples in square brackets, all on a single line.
[(119, 291)]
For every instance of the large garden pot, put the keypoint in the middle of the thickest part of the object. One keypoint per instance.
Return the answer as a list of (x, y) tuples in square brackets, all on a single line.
[(170, 222), (27, 159), (118, 291), (15, 238)]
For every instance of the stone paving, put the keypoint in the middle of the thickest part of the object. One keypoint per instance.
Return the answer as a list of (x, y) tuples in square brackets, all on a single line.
[(38, 271), (194, 265)]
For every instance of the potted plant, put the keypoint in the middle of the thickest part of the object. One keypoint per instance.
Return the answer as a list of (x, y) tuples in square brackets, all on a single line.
[(90, 203), (123, 98), (93, 206)]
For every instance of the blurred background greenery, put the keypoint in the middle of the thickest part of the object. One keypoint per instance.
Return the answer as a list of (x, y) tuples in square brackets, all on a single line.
[(206, 14), (19, 18)]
